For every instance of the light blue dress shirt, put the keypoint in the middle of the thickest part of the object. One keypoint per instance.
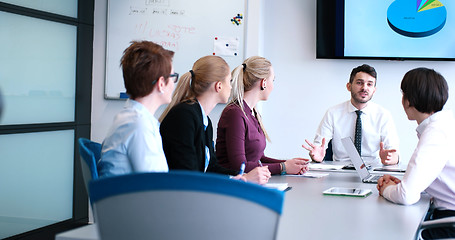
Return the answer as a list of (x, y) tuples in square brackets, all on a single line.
[(205, 121), (133, 143)]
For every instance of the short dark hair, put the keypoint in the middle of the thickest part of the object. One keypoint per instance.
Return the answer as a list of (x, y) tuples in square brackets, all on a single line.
[(366, 69), (143, 63), (425, 89)]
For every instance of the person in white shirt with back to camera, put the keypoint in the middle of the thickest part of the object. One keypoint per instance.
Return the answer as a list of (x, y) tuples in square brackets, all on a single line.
[(432, 165)]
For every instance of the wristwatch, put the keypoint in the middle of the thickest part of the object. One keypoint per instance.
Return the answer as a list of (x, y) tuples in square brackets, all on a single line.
[(283, 168)]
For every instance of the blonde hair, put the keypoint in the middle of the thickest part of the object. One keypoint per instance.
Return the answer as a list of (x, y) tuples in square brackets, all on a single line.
[(244, 77), (205, 71)]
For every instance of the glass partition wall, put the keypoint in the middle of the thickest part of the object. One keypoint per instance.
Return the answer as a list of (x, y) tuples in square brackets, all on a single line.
[(45, 82)]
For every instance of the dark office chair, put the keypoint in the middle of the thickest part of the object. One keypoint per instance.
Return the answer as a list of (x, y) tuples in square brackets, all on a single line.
[(328, 152), (90, 155), (438, 223), (184, 205)]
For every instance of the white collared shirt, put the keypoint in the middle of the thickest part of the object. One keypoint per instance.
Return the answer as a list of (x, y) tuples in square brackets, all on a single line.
[(432, 165), (377, 125), (133, 143)]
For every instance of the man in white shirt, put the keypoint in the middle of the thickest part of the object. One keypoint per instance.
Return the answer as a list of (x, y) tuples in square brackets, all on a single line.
[(432, 165), (377, 137)]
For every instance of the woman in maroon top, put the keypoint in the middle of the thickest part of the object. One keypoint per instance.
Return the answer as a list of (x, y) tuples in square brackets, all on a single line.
[(241, 135)]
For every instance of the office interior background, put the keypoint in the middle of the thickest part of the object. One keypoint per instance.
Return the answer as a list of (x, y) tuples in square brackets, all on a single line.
[(305, 87)]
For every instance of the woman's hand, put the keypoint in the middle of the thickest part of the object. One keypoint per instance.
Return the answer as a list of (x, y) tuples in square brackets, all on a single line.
[(259, 175)]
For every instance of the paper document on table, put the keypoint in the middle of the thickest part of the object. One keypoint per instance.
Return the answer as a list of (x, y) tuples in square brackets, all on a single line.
[(320, 166), (279, 186), (310, 175)]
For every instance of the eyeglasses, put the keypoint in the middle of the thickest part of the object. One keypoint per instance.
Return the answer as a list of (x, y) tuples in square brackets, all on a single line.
[(175, 76)]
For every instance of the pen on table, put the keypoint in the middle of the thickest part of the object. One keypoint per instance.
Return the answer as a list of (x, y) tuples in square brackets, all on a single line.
[(260, 163), (242, 168)]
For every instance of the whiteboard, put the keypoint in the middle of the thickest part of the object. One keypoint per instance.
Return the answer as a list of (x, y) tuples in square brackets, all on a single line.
[(190, 28)]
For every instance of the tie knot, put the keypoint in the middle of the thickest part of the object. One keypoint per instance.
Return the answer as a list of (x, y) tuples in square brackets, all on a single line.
[(358, 112)]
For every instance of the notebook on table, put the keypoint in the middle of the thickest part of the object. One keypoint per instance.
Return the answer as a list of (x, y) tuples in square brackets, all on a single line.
[(358, 162)]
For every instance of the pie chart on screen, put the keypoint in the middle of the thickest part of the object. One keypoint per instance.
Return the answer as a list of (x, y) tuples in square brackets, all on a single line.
[(416, 18)]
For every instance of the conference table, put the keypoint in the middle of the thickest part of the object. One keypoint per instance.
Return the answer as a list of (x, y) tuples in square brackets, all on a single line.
[(308, 214)]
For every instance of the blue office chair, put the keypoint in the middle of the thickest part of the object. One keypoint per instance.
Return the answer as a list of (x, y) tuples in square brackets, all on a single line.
[(90, 155), (184, 205)]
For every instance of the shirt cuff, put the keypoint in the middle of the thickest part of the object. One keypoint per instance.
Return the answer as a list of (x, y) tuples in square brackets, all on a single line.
[(388, 192)]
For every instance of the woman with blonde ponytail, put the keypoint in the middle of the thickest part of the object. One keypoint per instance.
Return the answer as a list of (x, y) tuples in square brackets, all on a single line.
[(186, 129), (241, 136)]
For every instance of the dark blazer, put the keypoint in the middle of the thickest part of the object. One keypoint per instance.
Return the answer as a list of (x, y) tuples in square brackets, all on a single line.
[(184, 140)]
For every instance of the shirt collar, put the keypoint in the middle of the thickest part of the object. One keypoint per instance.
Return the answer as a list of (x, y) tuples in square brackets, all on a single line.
[(434, 117), (247, 108), (364, 110), (205, 119), (130, 103)]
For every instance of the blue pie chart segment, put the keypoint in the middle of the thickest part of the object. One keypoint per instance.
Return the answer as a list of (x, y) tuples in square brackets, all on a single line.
[(416, 18)]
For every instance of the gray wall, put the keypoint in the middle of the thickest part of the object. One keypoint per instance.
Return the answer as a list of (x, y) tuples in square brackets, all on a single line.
[(285, 32)]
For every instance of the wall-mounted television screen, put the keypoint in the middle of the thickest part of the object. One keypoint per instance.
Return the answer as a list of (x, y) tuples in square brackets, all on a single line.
[(386, 29)]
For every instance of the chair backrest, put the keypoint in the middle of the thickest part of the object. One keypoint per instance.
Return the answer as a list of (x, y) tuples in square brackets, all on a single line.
[(448, 222), (329, 152), (184, 205), (90, 155)]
